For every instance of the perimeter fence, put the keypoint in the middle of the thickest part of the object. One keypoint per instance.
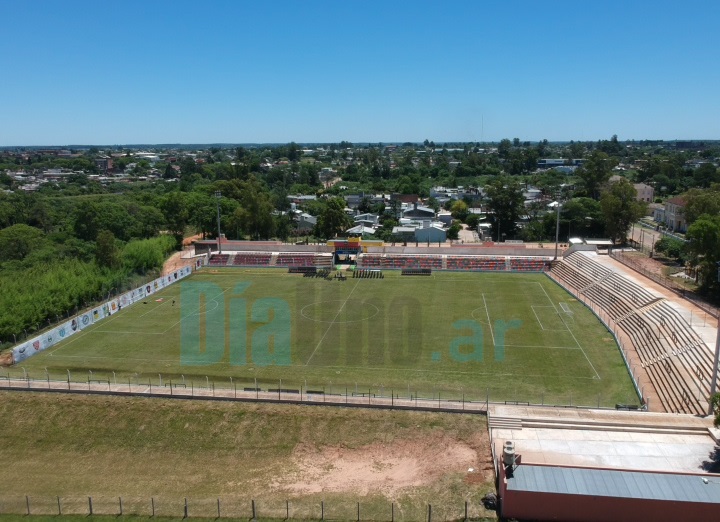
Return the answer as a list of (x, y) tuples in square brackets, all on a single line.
[(302, 508)]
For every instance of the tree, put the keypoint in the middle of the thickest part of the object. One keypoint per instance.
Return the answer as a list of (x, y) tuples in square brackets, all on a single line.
[(17, 241), (716, 409), (705, 175), (175, 209), (703, 249), (255, 214), (505, 201), (620, 209), (504, 148), (106, 251), (595, 172), (472, 221), (699, 202), (459, 210), (454, 231), (581, 217), (332, 219)]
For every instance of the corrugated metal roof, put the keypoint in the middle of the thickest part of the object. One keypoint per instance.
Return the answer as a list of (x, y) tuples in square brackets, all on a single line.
[(615, 483)]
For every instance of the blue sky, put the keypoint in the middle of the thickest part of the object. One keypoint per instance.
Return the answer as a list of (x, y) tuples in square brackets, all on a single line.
[(101, 72)]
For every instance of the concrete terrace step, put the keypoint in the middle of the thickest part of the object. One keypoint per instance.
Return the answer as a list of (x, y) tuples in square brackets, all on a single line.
[(508, 423), (579, 424)]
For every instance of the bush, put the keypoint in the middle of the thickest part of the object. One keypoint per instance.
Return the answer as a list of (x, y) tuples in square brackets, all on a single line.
[(145, 255), (672, 247)]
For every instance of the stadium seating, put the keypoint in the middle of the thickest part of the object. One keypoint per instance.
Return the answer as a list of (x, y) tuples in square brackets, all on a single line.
[(675, 358), (476, 263), (527, 264), (295, 259), (218, 259), (252, 259)]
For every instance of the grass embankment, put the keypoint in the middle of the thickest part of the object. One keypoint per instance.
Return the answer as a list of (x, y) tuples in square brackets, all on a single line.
[(73, 447)]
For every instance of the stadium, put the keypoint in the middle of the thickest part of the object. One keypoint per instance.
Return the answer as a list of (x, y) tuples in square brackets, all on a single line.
[(477, 329)]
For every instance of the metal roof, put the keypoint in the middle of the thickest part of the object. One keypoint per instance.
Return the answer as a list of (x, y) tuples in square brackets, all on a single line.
[(616, 483)]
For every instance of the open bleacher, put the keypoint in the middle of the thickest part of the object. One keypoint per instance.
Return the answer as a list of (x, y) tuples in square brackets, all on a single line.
[(251, 259), (673, 355), (527, 264), (476, 263), (295, 259), (218, 259)]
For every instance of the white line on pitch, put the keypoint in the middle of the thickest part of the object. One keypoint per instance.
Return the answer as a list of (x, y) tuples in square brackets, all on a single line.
[(487, 312), (332, 323)]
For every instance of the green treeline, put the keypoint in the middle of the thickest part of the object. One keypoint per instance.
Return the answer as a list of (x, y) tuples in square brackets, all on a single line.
[(112, 216)]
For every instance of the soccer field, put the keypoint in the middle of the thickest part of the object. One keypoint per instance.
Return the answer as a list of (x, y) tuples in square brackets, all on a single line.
[(518, 337)]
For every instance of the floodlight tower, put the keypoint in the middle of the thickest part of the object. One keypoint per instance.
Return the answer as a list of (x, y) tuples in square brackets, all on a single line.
[(556, 204), (713, 377), (218, 195)]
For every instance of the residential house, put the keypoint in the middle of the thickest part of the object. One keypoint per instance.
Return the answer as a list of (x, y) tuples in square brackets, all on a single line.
[(674, 217), (644, 192), (304, 222), (430, 232), (419, 212)]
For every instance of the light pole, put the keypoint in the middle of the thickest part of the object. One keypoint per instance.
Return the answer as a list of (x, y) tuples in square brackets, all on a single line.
[(557, 226), (713, 381), (218, 195)]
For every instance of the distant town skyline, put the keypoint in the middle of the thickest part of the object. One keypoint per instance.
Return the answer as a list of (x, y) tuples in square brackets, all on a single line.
[(88, 73)]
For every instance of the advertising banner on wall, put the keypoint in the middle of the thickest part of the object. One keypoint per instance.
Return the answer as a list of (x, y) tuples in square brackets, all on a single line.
[(86, 319)]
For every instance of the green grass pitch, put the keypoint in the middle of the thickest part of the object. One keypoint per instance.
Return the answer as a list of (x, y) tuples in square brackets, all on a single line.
[(518, 337)]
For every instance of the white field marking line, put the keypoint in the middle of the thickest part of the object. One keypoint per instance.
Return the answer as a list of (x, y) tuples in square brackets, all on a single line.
[(332, 323), (574, 348), (51, 351), (540, 322), (532, 307), (152, 309), (457, 372), (109, 358), (487, 312), (196, 312), (411, 370), (120, 332), (571, 332), (89, 330)]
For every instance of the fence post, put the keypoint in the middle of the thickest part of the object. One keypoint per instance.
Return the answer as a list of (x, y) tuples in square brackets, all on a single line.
[(59, 507), (253, 509), (121, 509), (358, 510), (185, 512), (392, 512), (27, 503), (287, 510), (218, 507), (90, 506), (429, 512), (466, 517), (322, 510), (152, 505)]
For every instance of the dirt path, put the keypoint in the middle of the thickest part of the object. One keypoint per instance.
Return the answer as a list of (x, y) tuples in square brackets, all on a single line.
[(176, 260)]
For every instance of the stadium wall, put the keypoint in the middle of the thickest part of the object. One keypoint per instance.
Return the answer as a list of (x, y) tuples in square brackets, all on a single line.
[(78, 323)]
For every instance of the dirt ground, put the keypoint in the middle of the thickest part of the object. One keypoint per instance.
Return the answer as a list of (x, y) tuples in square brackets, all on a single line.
[(176, 261), (386, 468)]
